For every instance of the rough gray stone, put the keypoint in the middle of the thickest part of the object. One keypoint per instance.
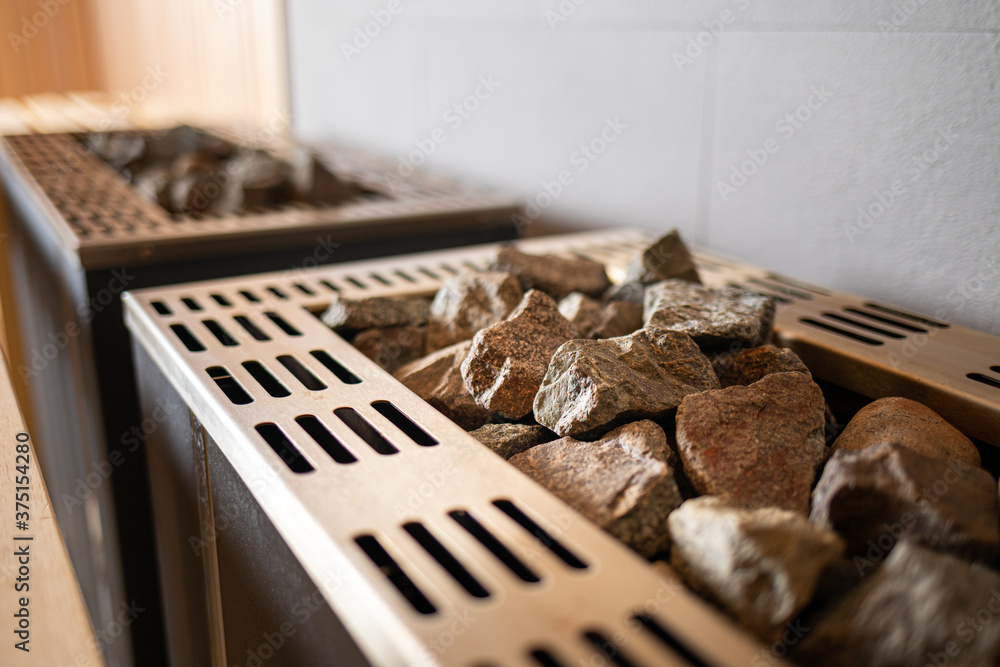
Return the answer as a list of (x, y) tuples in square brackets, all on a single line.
[(623, 482), (762, 566), (376, 312), (666, 258), (631, 291), (878, 495), (557, 276), (758, 445), (919, 608), (911, 424), (582, 312), (593, 385), (392, 347), (437, 379), (747, 366), (713, 317), (510, 439), (469, 302), (508, 360)]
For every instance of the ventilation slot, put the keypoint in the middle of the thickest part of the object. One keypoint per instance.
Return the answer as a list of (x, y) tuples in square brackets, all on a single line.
[(305, 290), (249, 296), (365, 431), (843, 332), (335, 367), (404, 424), (301, 373), (608, 648), (781, 289), (277, 292), (798, 284), (445, 559), (192, 305), (450, 269), (186, 337), (161, 308), (284, 448), (326, 440), (906, 316), (672, 642), (427, 272), (221, 300), (251, 328), (233, 390), (886, 320), (283, 324), (221, 334), (862, 325), (405, 276), (379, 279), (495, 546), (995, 369), (394, 573), (544, 658), (264, 378), (471, 266), (357, 283), (330, 286), (540, 534), (985, 379)]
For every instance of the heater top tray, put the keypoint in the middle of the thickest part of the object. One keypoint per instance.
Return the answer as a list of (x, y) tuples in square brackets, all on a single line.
[(105, 220), (274, 387)]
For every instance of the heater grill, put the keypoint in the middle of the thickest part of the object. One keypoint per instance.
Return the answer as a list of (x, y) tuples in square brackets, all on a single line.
[(408, 525), (111, 224)]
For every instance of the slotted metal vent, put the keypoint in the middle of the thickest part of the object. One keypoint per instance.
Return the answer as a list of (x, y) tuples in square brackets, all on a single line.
[(430, 528), (110, 223)]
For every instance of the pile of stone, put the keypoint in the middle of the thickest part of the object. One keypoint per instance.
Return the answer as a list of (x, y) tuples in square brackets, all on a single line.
[(191, 172), (659, 410)]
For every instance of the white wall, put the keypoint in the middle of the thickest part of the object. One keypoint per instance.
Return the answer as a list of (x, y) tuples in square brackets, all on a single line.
[(905, 109)]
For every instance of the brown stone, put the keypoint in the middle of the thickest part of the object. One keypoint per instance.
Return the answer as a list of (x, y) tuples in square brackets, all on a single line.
[(469, 302), (506, 440), (583, 312), (878, 495), (618, 318), (911, 424), (713, 317), (631, 291), (747, 366), (920, 608), (592, 386), (668, 257), (758, 445), (508, 360), (557, 276), (623, 482), (762, 566), (376, 312), (392, 347), (437, 379)]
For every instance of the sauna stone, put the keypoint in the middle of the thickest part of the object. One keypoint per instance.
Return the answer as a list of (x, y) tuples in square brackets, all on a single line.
[(594, 320), (879, 495), (392, 347), (510, 439), (668, 257), (557, 276), (469, 302), (911, 424), (762, 566), (713, 317), (749, 365), (758, 445), (437, 379), (919, 608), (592, 386), (376, 312), (508, 360), (623, 482)]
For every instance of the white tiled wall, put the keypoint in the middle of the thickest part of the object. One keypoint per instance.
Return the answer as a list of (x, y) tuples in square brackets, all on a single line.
[(888, 107)]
